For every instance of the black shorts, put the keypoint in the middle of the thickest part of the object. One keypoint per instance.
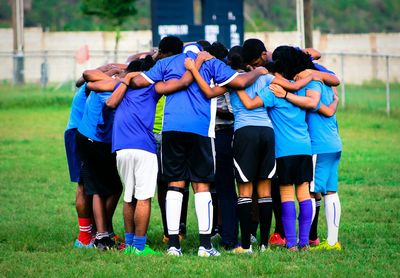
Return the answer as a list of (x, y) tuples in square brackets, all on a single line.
[(99, 168), (254, 153), (294, 169), (187, 156)]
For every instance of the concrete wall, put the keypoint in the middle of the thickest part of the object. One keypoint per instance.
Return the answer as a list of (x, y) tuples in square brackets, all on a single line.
[(61, 47)]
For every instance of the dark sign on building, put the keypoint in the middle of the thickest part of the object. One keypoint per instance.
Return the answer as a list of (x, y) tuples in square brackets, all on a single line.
[(193, 20)]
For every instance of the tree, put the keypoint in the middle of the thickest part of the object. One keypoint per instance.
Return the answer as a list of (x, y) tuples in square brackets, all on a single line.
[(112, 12)]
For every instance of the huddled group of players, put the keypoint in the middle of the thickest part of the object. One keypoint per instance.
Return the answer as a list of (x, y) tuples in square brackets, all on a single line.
[(264, 122)]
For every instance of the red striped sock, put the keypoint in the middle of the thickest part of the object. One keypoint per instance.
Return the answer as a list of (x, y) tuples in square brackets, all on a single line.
[(85, 230)]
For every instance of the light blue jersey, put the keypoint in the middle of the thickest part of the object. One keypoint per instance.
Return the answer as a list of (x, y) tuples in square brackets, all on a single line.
[(289, 122), (190, 110), (254, 117), (77, 108), (97, 118), (323, 130)]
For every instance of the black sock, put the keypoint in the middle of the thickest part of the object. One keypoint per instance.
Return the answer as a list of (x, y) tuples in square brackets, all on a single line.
[(314, 225), (174, 241), (244, 215), (265, 211), (205, 240)]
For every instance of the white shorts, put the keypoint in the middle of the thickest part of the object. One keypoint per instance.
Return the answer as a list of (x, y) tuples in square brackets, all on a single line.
[(138, 172)]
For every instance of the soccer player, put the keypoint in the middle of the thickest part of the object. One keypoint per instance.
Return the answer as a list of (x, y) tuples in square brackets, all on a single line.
[(326, 143), (187, 144), (99, 170), (251, 126), (134, 143), (82, 201)]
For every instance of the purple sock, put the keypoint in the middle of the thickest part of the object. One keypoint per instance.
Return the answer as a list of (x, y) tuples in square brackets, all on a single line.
[(289, 223), (305, 219)]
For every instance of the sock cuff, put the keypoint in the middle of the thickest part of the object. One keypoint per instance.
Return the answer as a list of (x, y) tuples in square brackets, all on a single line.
[(244, 200), (202, 194), (100, 235), (317, 202), (84, 221), (265, 200), (305, 202), (174, 195)]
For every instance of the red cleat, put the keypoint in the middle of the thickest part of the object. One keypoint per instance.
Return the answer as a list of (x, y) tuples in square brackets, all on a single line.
[(277, 240), (314, 242)]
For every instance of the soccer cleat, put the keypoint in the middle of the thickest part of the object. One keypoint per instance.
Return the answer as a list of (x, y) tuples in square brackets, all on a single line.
[(314, 242), (325, 246), (293, 249), (147, 251), (104, 244), (212, 252), (241, 250), (253, 239), (305, 248), (264, 248), (128, 249), (79, 244), (173, 251), (276, 240)]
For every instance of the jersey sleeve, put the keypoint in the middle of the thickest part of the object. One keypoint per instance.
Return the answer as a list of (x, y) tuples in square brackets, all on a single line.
[(267, 97), (315, 86), (155, 74), (223, 74)]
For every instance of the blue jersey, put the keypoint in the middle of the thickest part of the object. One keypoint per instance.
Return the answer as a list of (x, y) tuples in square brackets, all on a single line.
[(189, 110), (77, 108), (97, 118), (289, 121), (323, 130), (134, 120), (255, 117)]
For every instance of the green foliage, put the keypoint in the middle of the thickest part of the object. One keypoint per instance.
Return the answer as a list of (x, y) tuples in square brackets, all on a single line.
[(38, 220), (113, 12)]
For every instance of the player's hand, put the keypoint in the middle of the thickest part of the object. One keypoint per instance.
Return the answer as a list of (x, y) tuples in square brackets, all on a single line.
[(302, 74), (262, 70), (204, 56), (190, 64), (277, 90)]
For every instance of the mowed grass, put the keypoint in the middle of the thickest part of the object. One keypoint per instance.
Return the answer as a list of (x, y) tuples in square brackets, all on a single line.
[(38, 222)]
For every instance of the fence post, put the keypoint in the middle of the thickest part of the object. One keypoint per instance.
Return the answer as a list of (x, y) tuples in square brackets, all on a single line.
[(387, 86), (343, 97), (44, 70)]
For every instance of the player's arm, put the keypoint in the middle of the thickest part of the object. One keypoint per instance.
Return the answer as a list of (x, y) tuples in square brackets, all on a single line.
[(97, 75), (102, 85), (326, 77), (242, 81), (313, 53), (249, 103), (310, 101), (292, 86), (118, 93), (329, 111), (173, 85), (209, 92)]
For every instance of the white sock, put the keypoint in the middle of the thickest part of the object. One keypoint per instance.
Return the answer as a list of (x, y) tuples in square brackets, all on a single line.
[(173, 207), (332, 212), (313, 208), (204, 211)]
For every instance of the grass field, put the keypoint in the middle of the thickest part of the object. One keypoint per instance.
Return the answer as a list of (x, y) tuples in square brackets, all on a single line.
[(38, 220)]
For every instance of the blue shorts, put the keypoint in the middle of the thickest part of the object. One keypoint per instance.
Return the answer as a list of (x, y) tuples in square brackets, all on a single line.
[(325, 172), (73, 157)]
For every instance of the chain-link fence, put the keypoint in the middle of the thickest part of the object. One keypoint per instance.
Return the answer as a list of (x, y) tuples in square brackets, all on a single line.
[(381, 73)]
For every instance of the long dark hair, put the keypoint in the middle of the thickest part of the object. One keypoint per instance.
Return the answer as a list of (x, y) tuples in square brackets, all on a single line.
[(289, 61), (141, 64)]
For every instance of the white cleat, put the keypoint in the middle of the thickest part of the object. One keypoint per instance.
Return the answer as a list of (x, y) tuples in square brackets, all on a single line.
[(212, 252), (173, 251)]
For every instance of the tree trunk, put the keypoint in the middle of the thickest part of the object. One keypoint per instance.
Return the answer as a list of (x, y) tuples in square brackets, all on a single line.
[(308, 23)]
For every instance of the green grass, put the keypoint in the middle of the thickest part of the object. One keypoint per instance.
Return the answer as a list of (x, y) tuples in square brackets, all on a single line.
[(38, 221)]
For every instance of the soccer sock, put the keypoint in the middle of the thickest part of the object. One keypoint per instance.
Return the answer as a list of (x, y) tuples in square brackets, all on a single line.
[(289, 222), (265, 212), (100, 235), (204, 212), (139, 242), (129, 238), (244, 214), (85, 230), (173, 206), (332, 211), (314, 225), (305, 217)]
